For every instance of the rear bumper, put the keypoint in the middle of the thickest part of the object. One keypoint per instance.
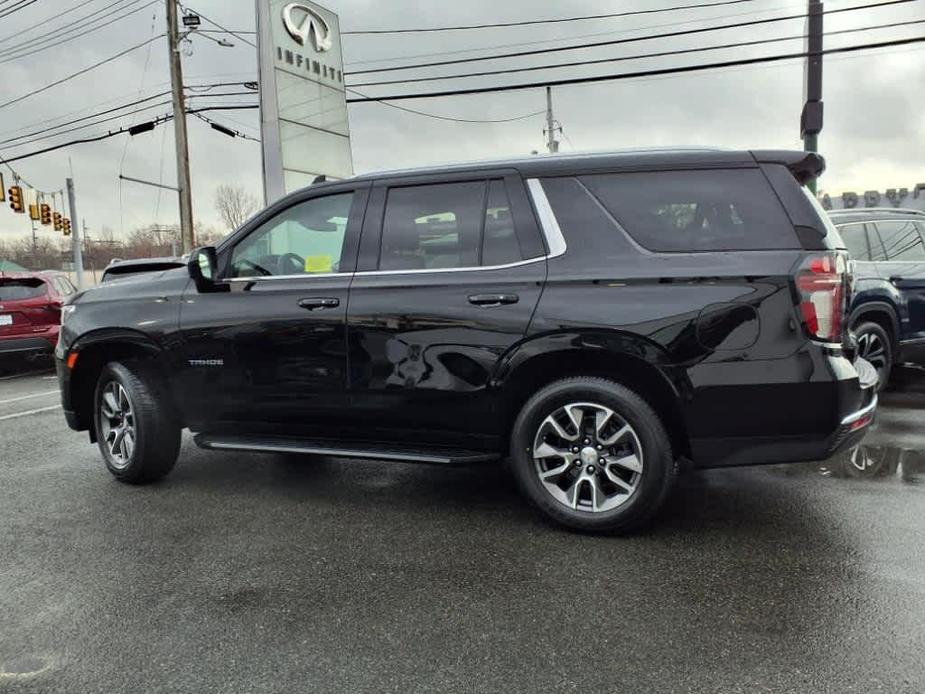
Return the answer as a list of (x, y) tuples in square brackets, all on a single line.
[(851, 404), (13, 345)]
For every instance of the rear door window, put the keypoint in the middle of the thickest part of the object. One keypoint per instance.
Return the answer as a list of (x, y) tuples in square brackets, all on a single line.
[(703, 210), (18, 289), (437, 226), (901, 241)]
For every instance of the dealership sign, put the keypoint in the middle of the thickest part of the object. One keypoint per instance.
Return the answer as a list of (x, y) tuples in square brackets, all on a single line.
[(912, 198), (303, 108)]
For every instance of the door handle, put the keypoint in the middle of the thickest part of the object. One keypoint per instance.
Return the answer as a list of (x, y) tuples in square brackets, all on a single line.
[(493, 299), (317, 302)]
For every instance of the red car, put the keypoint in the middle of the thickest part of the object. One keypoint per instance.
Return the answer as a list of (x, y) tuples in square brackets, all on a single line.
[(30, 311)]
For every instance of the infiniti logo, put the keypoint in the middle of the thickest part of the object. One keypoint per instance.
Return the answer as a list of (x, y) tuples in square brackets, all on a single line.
[(309, 22)]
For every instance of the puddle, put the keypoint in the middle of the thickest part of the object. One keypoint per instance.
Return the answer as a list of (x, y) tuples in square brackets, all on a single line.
[(876, 462), (23, 667)]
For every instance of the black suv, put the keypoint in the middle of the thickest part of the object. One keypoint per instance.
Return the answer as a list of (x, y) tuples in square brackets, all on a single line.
[(887, 307), (595, 319)]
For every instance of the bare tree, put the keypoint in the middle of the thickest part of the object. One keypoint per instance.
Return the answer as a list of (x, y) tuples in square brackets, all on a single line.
[(234, 205)]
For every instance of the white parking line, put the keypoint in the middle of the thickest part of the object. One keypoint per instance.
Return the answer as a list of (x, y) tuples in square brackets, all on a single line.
[(28, 412), (26, 397)]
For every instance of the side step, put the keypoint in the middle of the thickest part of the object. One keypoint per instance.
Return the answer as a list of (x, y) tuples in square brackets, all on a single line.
[(343, 449)]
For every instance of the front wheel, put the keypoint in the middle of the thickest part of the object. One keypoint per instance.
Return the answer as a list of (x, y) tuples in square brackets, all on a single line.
[(136, 428), (592, 455)]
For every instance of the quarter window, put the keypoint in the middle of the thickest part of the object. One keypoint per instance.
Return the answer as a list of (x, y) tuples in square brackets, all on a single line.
[(307, 238), (706, 210), (901, 240)]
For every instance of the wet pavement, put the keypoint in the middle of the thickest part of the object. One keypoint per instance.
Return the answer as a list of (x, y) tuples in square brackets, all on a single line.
[(266, 574)]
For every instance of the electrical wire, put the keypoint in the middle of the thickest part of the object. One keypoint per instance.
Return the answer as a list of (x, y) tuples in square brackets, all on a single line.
[(41, 23), (464, 27), (448, 118), (237, 133), (640, 56), (79, 72), (85, 32), (642, 73), (20, 5), (633, 39), (80, 27)]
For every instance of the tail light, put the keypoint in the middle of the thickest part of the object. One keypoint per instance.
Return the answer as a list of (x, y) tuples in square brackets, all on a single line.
[(822, 286)]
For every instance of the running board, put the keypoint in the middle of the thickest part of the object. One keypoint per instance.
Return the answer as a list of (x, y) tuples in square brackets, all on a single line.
[(340, 449)]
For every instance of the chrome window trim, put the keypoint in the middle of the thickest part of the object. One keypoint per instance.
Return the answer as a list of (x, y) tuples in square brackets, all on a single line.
[(301, 275), (435, 270), (547, 218)]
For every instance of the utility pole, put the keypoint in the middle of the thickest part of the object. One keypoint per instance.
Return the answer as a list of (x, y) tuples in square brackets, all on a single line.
[(552, 144), (179, 125), (75, 235), (811, 117)]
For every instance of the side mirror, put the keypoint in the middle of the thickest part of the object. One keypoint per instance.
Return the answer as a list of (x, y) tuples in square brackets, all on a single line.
[(202, 267)]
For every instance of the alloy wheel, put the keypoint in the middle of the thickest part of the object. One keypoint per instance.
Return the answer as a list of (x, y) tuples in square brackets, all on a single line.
[(117, 424), (588, 457), (872, 348)]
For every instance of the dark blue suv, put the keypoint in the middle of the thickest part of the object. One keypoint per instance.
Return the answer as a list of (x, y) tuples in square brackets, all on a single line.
[(887, 309)]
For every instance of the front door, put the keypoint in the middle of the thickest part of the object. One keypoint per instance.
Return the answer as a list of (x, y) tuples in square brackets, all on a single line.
[(450, 273), (268, 354)]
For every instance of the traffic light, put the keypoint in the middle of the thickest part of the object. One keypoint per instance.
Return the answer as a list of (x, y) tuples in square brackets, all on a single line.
[(66, 226), (16, 199), (56, 220), (2, 189), (34, 212), (45, 213)]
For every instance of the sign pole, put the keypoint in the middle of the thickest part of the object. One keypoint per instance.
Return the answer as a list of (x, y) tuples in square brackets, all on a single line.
[(811, 118)]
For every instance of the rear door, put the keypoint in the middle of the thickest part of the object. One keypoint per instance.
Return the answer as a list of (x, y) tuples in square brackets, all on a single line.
[(451, 270), (899, 249)]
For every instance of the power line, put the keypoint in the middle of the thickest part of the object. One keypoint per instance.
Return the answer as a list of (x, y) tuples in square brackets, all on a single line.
[(495, 48), (631, 75), (632, 39), (237, 133), (56, 41), (92, 115), (79, 72), (659, 54), (449, 118), (112, 133), (12, 9), (41, 23), (464, 27)]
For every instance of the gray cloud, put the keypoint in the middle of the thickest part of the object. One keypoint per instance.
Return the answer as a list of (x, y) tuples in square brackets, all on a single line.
[(875, 119)]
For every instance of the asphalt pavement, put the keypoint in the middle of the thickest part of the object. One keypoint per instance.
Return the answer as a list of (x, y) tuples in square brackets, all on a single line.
[(242, 573)]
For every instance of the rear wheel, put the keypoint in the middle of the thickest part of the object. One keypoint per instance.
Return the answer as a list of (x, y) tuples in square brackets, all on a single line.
[(136, 428), (592, 455), (876, 346)]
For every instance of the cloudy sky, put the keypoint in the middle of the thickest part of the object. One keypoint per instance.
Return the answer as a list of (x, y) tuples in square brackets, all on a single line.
[(874, 134)]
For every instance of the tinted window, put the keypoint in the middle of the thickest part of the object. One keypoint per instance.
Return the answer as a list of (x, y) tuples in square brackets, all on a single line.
[(306, 238), (15, 290), (433, 226), (855, 237), (901, 240), (500, 244), (696, 210)]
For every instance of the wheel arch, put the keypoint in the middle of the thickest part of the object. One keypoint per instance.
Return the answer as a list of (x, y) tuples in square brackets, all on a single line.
[(95, 350), (628, 359), (880, 312)]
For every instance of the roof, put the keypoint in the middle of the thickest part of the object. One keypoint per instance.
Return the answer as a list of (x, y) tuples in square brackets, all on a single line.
[(868, 213), (803, 164)]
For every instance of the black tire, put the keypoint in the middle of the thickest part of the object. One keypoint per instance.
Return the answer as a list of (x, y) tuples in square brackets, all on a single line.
[(654, 481), (869, 335), (156, 426)]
